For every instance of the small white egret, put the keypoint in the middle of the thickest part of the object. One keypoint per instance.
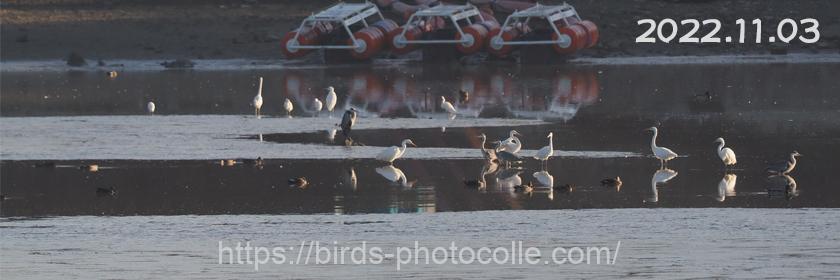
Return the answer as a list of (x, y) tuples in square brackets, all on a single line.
[(661, 153), (287, 105), (331, 99), (726, 155), (392, 153), (446, 106), (546, 152), (512, 144), (150, 107), (258, 100), (784, 167), (726, 187), (318, 105)]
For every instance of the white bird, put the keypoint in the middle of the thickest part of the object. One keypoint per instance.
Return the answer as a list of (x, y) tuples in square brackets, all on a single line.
[(512, 144), (726, 155), (258, 100), (544, 178), (331, 99), (662, 153), (392, 153), (288, 106), (318, 105), (546, 152), (150, 107), (445, 105), (726, 187)]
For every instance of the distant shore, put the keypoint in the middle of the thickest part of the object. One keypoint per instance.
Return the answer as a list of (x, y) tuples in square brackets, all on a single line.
[(196, 30)]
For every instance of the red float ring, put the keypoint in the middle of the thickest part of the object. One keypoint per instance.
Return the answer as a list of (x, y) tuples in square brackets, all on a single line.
[(478, 34), (413, 33), (508, 35), (371, 39), (576, 34), (592, 33)]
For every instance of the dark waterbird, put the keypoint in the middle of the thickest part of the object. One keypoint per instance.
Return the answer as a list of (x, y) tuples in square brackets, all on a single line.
[(567, 188), (475, 184), (611, 182), (524, 188), (106, 192), (254, 162), (347, 122), (784, 167), (300, 182)]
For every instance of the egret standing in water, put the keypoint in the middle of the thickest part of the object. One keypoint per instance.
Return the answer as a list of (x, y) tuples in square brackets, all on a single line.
[(512, 143), (347, 122), (331, 99), (392, 153), (489, 154), (726, 155), (318, 105), (546, 152), (784, 167), (287, 105), (150, 108), (446, 106), (661, 153), (258, 100)]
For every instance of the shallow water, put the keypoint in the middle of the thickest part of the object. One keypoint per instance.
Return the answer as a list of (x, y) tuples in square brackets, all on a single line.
[(166, 168), (655, 243)]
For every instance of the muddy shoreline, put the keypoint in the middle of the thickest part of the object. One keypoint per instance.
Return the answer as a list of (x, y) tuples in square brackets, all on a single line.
[(162, 30)]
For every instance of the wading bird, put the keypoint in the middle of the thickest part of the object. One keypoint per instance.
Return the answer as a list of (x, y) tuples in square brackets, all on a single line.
[(287, 105), (489, 154), (258, 100), (347, 122), (546, 152), (785, 167), (726, 155), (318, 105), (512, 144), (446, 106), (392, 153), (661, 153), (150, 108), (331, 99)]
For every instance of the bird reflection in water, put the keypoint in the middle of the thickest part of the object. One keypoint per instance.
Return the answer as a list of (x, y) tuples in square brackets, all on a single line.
[(546, 183), (395, 175), (726, 187), (349, 179), (507, 179), (782, 186), (660, 177)]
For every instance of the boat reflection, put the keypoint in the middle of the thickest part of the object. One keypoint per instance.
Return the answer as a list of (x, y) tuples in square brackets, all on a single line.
[(557, 96), (661, 176)]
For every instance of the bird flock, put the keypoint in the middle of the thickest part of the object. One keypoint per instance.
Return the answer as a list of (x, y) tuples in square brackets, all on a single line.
[(506, 151)]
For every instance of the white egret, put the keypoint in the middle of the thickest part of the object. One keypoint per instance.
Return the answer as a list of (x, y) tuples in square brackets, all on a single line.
[(318, 105), (785, 167), (726, 155), (544, 178), (661, 176), (546, 152), (392, 153), (726, 187), (331, 99), (489, 154), (258, 100), (661, 153), (287, 105), (150, 107), (512, 144), (446, 106)]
